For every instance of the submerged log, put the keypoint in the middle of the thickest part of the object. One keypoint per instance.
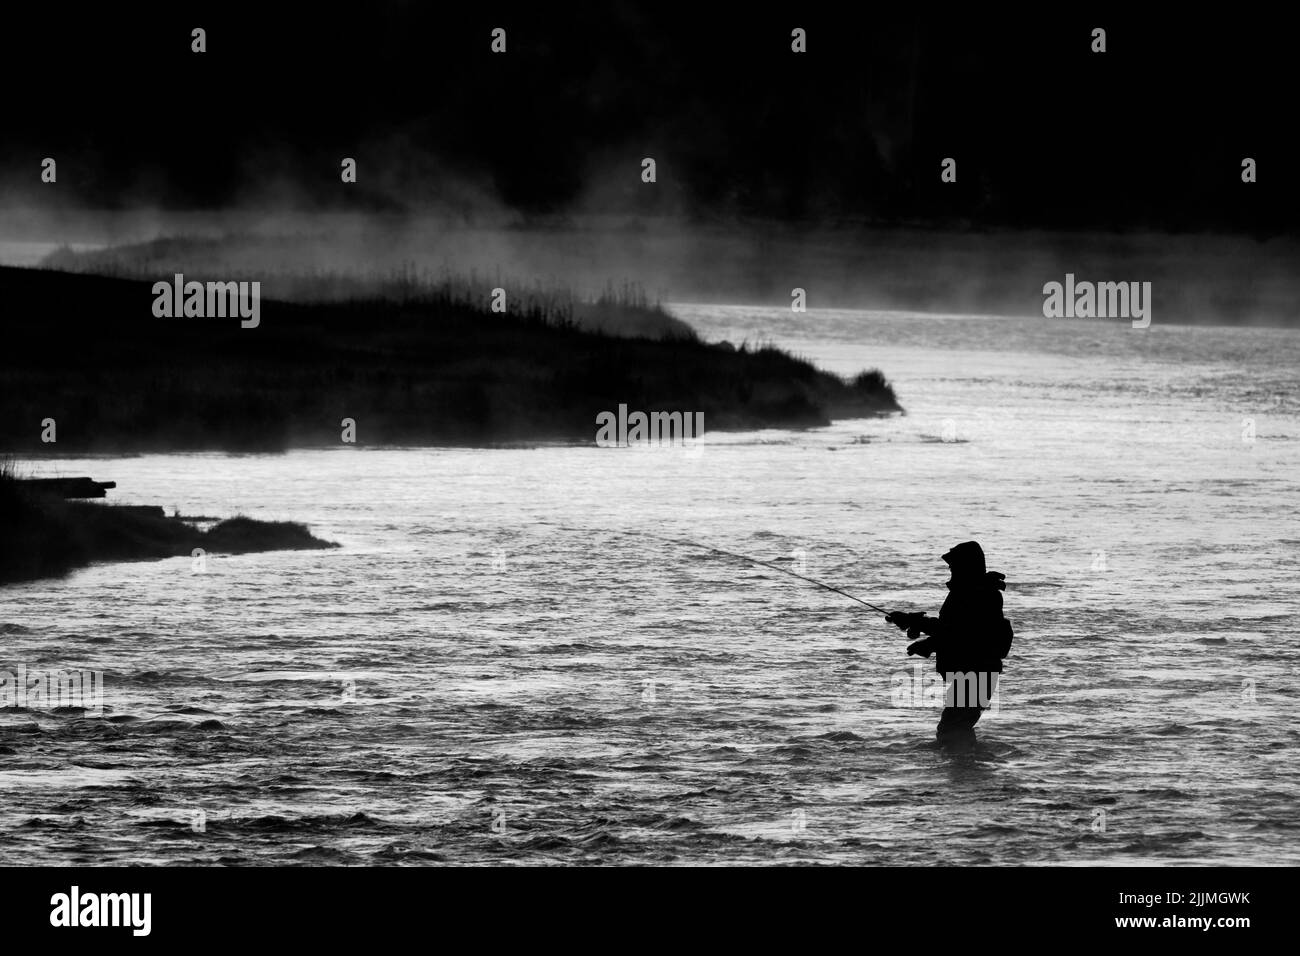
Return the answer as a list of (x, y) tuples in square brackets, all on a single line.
[(70, 487)]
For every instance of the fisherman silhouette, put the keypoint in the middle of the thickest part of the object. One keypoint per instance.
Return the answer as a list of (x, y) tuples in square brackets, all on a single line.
[(969, 640)]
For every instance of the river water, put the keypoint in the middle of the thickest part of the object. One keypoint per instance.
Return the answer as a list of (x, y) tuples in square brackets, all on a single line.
[(503, 663)]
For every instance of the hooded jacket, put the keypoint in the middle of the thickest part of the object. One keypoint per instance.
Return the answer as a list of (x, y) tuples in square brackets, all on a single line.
[(970, 633)]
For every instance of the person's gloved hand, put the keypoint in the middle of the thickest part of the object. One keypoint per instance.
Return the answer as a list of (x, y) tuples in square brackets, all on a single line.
[(904, 620), (917, 648)]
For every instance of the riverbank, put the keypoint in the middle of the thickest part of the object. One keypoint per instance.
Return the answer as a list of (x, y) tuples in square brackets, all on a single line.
[(88, 367), (47, 536), (1196, 278)]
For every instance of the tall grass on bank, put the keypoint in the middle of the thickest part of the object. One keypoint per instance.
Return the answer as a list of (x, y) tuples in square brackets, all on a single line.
[(620, 308)]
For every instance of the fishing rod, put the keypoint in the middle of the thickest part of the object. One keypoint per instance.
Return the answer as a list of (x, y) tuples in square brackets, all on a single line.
[(774, 567), (743, 557)]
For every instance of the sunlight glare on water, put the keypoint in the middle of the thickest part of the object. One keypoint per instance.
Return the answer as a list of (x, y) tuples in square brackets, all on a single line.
[(496, 666)]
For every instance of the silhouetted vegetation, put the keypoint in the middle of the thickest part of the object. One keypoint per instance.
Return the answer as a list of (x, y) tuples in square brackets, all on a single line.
[(87, 352), (287, 267), (46, 536)]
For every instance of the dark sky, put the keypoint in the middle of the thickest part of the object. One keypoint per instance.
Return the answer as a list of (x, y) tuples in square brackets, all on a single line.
[(1148, 135)]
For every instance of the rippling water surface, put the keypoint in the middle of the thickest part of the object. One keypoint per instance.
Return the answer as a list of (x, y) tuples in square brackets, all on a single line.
[(500, 666)]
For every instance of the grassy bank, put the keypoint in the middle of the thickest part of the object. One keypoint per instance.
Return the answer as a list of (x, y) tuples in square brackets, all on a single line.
[(290, 272), (46, 536), (1195, 278), (423, 369)]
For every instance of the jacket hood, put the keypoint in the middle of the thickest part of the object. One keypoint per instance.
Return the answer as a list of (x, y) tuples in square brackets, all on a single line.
[(966, 559)]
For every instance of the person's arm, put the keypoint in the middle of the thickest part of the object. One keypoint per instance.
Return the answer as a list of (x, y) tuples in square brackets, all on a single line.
[(930, 626), (917, 624)]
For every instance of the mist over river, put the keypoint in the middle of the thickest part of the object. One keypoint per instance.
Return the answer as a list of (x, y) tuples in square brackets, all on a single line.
[(492, 668)]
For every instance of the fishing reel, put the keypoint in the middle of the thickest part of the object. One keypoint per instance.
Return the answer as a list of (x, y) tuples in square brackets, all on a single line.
[(906, 620), (911, 622)]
